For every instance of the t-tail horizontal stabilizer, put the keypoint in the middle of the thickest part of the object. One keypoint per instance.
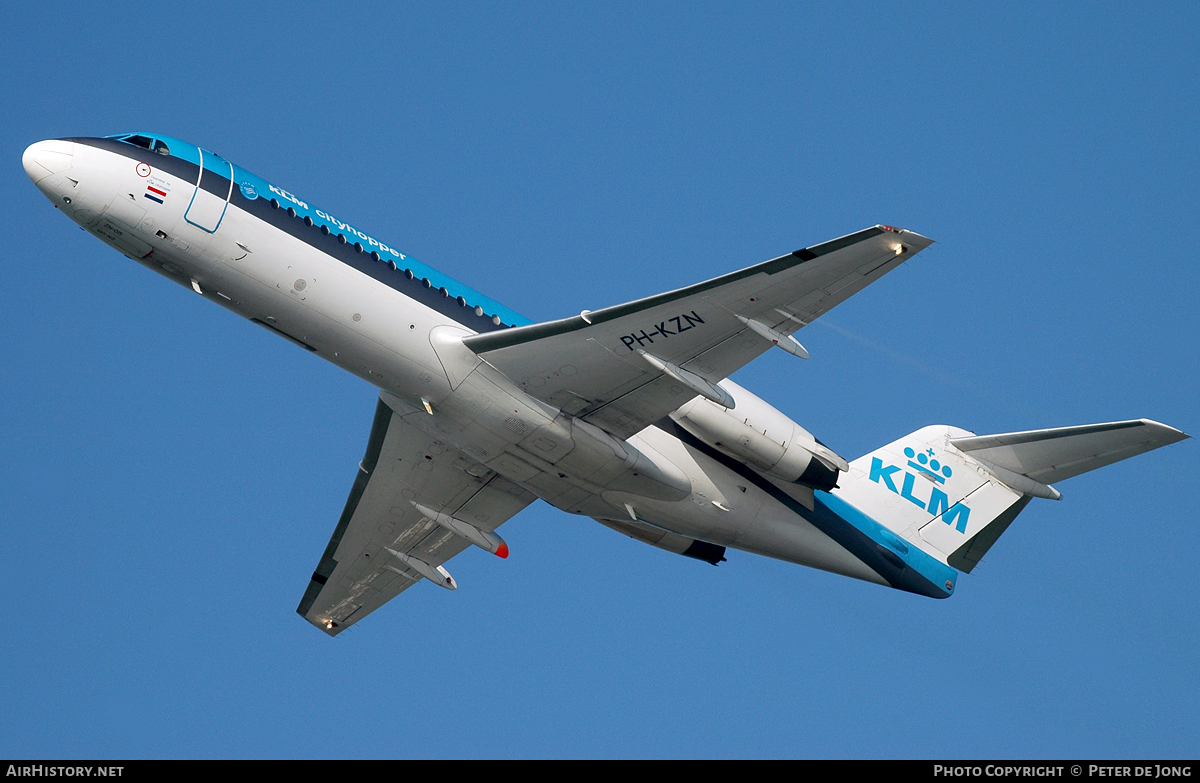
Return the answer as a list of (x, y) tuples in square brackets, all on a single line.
[(953, 493), (1052, 455)]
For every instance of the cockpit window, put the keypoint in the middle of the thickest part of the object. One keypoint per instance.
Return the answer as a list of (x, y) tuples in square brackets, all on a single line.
[(147, 143)]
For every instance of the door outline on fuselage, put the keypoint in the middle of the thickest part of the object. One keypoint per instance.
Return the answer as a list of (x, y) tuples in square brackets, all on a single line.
[(202, 209)]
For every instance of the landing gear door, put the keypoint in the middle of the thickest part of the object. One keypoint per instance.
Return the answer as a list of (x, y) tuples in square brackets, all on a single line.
[(208, 207)]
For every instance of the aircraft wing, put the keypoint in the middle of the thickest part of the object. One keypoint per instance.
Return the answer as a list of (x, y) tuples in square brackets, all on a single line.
[(403, 465), (625, 367)]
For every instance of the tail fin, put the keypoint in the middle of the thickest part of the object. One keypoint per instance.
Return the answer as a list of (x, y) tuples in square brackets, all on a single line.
[(953, 493)]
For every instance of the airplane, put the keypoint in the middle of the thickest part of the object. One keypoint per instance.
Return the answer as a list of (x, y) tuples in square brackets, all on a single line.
[(624, 414)]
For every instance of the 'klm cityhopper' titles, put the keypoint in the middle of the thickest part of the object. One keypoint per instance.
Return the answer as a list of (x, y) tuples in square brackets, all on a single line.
[(928, 465), (330, 220)]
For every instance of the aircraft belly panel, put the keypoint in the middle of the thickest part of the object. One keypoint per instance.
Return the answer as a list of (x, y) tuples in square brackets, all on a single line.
[(374, 332)]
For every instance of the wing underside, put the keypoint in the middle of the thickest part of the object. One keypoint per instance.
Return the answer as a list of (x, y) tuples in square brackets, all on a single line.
[(625, 367), (403, 465)]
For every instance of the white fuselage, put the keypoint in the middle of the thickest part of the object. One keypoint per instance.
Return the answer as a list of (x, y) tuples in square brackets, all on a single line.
[(411, 350)]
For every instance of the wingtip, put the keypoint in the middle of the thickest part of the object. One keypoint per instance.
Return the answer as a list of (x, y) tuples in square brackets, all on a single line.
[(1169, 434), (913, 241), (502, 552)]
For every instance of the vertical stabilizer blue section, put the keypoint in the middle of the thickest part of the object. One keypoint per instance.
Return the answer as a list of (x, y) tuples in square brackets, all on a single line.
[(903, 565)]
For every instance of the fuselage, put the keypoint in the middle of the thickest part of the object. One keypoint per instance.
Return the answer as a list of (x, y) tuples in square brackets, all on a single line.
[(274, 258)]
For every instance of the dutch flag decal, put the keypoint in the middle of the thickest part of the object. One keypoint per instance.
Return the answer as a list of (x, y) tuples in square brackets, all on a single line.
[(154, 194)]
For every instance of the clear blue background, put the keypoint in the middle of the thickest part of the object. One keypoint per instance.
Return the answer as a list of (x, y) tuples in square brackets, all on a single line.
[(171, 474)]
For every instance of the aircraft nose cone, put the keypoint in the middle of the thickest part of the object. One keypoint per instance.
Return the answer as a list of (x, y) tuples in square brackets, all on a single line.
[(44, 158)]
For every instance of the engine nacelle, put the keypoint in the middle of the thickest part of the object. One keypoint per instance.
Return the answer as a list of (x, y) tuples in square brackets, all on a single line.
[(760, 436)]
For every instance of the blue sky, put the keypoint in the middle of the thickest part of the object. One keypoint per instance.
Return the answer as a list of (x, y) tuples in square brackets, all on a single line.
[(172, 473)]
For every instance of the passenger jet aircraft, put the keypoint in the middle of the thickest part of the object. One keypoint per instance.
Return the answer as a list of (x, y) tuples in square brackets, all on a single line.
[(625, 414)]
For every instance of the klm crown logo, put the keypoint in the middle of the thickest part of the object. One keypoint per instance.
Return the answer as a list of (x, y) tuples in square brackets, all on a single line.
[(928, 465)]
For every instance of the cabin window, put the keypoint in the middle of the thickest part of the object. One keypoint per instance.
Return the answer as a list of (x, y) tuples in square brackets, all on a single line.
[(375, 256), (307, 220), (325, 230)]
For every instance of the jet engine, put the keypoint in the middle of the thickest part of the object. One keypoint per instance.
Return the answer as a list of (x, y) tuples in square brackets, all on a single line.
[(758, 435)]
